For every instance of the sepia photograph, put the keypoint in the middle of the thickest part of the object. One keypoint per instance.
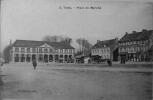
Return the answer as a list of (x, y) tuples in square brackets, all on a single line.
[(76, 49)]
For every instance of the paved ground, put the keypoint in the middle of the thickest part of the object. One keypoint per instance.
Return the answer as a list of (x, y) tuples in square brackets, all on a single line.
[(76, 82)]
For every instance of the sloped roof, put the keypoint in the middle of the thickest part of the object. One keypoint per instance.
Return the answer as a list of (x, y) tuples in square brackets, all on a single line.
[(136, 36), (106, 43), (30, 43)]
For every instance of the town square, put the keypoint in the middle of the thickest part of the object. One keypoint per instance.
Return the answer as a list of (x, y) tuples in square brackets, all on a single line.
[(76, 50)]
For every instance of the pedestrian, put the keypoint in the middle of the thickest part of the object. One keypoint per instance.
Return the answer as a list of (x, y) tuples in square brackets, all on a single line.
[(109, 62), (34, 63)]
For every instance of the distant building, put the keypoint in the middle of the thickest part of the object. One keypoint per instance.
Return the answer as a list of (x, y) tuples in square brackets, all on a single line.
[(107, 49), (136, 46), (26, 51)]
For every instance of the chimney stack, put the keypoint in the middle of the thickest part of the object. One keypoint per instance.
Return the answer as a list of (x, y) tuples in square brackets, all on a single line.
[(10, 42), (134, 32), (126, 33)]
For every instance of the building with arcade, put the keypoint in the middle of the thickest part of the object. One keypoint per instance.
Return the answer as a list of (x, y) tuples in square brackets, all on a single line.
[(42, 51)]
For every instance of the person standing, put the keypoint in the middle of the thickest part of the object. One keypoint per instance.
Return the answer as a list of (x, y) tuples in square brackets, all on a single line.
[(34, 63)]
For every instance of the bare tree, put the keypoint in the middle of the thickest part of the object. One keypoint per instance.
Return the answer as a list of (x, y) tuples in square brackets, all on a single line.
[(84, 45), (56, 38), (6, 53)]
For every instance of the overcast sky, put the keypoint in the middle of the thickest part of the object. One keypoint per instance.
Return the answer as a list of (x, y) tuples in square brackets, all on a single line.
[(33, 19)]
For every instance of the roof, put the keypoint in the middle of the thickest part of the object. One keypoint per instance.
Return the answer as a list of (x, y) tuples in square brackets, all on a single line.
[(106, 43), (136, 36), (30, 43)]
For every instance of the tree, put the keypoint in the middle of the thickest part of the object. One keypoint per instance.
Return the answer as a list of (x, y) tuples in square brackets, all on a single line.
[(6, 53), (84, 44), (56, 38), (49, 38)]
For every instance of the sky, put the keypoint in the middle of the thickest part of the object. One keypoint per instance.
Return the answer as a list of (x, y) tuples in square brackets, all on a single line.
[(34, 19)]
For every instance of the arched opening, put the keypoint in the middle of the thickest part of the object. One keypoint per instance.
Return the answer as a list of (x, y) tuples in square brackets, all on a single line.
[(61, 59), (50, 58), (70, 56), (45, 58), (33, 57), (16, 57), (66, 58), (40, 58), (28, 58), (22, 58), (56, 58)]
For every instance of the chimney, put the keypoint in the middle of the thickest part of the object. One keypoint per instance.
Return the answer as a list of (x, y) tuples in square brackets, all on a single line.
[(126, 33), (10, 42), (98, 41), (144, 30), (134, 32)]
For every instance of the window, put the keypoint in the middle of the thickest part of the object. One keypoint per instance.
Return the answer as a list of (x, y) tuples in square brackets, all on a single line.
[(56, 50), (70, 51), (101, 51), (126, 49), (16, 49), (66, 51), (108, 50), (22, 49), (104, 51), (61, 51), (40, 50), (46, 50), (33, 49), (28, 49), (50, 50)]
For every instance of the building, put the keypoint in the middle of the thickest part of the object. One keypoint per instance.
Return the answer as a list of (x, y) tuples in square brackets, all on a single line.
[(103, 50), (135, 46), (42, 51)]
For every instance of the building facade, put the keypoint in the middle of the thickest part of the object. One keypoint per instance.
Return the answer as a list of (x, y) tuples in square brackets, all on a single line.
[(26, 51), (107, 49), (136, 46)]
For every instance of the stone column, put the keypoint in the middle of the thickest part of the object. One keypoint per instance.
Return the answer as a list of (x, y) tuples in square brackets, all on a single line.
[(63, 58), (19, 57), (48, 57)]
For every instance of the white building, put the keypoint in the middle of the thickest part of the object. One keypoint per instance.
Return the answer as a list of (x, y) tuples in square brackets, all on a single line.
[(107, 49), (42, 51)]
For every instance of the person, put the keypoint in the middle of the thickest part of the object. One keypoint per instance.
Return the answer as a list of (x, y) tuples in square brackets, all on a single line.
[(34, 63), (109, 62)]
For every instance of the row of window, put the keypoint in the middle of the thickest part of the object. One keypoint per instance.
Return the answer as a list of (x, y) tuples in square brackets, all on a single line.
[(40, 50), (134, 49), (134, 42), (101, 51)]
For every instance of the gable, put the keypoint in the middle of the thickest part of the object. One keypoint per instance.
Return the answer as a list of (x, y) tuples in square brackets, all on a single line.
[(45, 45)]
